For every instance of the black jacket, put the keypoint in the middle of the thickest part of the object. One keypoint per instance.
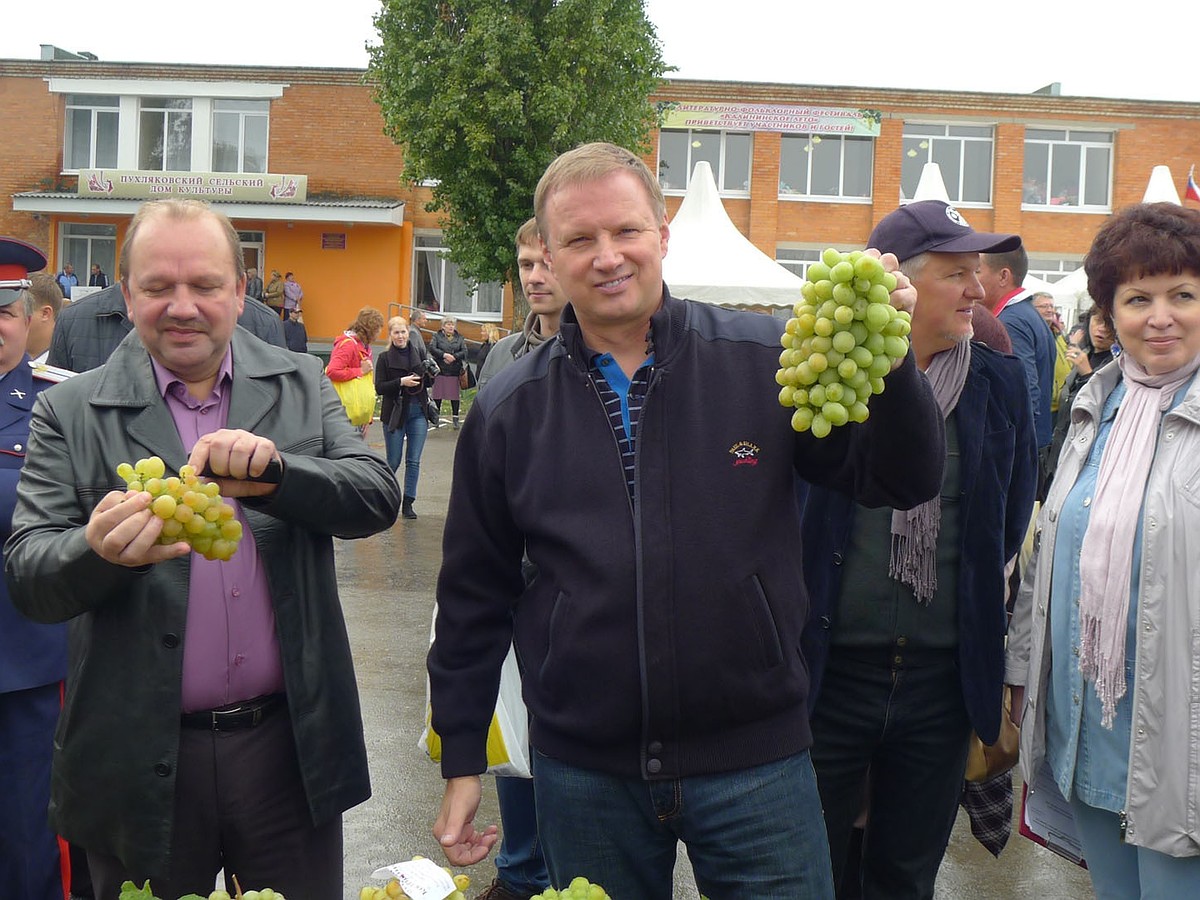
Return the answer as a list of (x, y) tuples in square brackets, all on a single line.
[(661, 641), (997, 480), (392, 365)]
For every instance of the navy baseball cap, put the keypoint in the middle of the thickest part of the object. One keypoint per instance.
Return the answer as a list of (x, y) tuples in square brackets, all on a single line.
[(934, 226), (17, 260)]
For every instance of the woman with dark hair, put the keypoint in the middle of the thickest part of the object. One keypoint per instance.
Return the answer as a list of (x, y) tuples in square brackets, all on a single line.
[(1108, 641), (401, 379), (1089, 347), (449, 350)]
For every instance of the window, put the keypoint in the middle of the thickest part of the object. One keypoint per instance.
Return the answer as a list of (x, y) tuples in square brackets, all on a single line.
[(825, 165), (797, 261), (1052, 268), (726, 152), (91, 139), (962, 152), (83, 245), (439, 287), (239, 129), (1068, 168), (165, 135)]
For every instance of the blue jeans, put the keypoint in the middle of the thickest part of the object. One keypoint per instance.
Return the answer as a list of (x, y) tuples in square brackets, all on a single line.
[(519, 864), (906, 724), (1119, 870), (416, 428), (754, 832)]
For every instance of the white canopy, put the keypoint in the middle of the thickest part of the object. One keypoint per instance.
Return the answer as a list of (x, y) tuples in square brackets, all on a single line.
[(931, 186), (1161, 187), (708, 259)]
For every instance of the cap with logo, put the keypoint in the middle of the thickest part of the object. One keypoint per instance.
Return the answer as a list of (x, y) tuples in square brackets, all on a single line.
[(934, 226), (17, 260)]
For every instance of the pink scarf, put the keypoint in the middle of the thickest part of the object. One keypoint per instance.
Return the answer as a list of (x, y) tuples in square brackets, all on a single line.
[(1106, 560)]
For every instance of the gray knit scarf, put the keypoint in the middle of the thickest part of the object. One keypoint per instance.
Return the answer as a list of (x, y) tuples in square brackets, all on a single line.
[(915, 531)]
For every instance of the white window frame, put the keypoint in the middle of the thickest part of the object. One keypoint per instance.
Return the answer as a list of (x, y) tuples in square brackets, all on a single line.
[(438, 251), (796, 259), (80, 101), (131, 91), (918, 132), (100, 241), (242, 116), (147, 109), (1046, 136), (1051, 269), (719, 172), (807, 142)]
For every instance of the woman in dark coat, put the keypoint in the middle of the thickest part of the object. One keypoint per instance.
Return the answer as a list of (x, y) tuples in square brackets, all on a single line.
[(449, 350), (401, 382)]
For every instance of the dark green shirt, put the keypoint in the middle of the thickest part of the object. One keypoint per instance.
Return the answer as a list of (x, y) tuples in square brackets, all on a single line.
[(875, 610)]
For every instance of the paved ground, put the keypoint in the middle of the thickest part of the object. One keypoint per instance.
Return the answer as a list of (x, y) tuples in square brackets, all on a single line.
[(387, 588)]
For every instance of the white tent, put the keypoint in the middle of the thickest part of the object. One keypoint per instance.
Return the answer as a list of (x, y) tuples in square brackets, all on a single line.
[(931, 186), (1161, 187), (708, 259)]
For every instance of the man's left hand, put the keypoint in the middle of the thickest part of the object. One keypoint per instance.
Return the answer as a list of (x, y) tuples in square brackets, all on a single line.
[(232, 456)]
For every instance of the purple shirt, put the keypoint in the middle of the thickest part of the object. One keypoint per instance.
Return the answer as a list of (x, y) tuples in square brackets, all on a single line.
[(230, 649)]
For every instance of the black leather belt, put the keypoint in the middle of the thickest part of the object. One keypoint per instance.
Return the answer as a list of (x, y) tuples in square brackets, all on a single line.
[(235, 716)]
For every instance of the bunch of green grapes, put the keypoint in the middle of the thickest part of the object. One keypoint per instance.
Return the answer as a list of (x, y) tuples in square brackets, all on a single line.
[(191, 510), (842, 341), (579, 889), (393, 891)]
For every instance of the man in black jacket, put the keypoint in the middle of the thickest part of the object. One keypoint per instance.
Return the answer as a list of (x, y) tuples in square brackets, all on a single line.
[(643, 462), (89, 330)]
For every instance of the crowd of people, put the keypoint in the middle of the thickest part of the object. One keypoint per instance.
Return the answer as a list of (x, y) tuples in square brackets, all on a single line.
[(800, 639)]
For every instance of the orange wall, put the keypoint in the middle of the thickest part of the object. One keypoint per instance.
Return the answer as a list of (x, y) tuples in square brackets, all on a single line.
[(371, 271)]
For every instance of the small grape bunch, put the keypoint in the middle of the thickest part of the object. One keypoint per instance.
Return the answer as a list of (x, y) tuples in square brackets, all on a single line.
[(579, 889), (393, 891), (191, 510), (841, 342)]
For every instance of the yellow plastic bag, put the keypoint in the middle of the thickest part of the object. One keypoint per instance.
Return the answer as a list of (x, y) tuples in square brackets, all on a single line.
[(508, 735), (358, 396)]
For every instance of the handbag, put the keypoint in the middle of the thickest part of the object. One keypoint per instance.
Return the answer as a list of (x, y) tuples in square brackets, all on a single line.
[(508, 734), (464, 380), (357, 396), (987, 761), (433, 412)]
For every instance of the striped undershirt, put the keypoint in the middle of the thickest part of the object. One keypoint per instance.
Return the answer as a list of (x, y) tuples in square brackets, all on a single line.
[(622, 398)]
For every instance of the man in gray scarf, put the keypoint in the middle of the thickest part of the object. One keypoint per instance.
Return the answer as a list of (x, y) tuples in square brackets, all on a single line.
[(546, 303), (520, 868), (908, 619)]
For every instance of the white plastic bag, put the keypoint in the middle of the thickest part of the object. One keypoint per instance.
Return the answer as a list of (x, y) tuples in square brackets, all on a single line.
[(508, 735)]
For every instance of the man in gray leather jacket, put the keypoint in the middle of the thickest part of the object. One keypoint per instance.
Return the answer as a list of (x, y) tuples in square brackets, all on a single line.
[(211, 716)]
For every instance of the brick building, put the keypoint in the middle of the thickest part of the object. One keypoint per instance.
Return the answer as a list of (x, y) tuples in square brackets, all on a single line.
[(799, 168)]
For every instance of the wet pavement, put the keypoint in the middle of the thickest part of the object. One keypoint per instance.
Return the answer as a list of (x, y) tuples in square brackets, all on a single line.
[(387, 588)]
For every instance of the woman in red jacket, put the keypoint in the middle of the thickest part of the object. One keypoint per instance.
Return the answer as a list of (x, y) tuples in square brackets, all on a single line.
[(351, 355)]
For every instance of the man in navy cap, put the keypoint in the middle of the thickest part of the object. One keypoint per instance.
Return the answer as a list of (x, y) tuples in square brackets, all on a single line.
[(905, 640), (33, 657)]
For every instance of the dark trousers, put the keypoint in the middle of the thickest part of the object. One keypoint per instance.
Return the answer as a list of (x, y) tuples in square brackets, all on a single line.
[(907, 725), (30, 860), (239, 805)]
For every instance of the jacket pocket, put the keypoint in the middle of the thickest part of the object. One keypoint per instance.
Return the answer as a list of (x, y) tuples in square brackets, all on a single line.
[(759, 615)]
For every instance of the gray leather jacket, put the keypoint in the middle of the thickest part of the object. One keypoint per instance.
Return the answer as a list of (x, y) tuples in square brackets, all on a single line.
[(113, 781)]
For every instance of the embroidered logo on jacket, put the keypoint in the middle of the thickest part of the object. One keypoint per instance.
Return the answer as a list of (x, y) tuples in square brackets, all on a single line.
[(744, 453)]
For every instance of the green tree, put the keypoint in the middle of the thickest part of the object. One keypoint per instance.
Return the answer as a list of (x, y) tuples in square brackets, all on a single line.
[(483, 94)]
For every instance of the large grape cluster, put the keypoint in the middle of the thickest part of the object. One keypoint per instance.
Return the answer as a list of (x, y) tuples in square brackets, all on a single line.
[(842, 341), (579, 889), (191, 510)]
